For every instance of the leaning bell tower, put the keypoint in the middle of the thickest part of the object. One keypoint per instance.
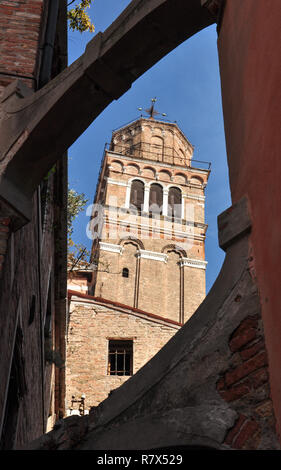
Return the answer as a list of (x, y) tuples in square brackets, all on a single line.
[(148, 221)]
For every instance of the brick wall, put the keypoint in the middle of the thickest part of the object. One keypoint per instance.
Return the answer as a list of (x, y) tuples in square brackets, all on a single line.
[(245, 385), (90, 326), (32, 258), (20, 26)]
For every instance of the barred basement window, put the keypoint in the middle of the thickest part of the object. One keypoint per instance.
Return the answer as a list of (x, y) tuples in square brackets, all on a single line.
[(120, 357)]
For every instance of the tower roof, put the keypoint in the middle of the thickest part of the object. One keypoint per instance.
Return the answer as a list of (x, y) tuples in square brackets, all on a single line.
[(153, 122)]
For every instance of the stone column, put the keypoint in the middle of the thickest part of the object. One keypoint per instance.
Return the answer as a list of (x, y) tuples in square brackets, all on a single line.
[(146, 199), (165, 202)]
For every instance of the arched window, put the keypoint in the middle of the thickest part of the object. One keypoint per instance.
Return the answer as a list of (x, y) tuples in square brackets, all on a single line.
[(129, 147), (137, 194), (181, 156), (157, 147), (156, 198), (174, 203), (125, 272)]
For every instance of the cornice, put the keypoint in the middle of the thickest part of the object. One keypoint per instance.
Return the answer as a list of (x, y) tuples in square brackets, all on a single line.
[(156, 256), (193, 263), (156, 163)]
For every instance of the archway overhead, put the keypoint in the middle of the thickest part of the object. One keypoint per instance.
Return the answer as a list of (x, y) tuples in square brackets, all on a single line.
[(221, 370), (112, 61)]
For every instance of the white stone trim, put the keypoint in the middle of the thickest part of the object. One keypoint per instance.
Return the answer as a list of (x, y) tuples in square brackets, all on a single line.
[(136, 177), (182, 207), (152, 255), (191, 234), (194, 196), (128, 193), (198, 170), (111, 247), (146, 199), (193, 263), (165, 202), (174, 185), (118, 183), (149, 183)]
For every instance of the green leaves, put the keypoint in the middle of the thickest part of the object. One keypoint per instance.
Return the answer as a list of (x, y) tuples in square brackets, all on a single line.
[(77, 254), (79, 19), (75, 204)]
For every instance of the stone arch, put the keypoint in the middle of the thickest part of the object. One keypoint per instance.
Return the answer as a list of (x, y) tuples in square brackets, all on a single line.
[(165, 175), (125, 240), (158, 182), (196, 180), (167, 437), (157, 131), (157, 140), (175, 248), (136, 179), (116, 165), (149, 172), (133, 169), (192, 23), (180, 178), (174, 185)]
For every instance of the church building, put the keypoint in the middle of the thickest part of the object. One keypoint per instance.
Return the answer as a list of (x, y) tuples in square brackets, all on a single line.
[(147, 271)]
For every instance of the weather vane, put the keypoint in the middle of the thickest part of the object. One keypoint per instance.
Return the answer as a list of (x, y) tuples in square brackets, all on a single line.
[(151, 111)]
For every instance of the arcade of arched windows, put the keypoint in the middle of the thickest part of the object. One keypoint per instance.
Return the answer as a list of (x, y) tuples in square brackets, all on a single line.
[(155, 198), (162, 194)]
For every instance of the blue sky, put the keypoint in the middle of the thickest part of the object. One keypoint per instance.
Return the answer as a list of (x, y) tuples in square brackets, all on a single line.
[(186, 84)]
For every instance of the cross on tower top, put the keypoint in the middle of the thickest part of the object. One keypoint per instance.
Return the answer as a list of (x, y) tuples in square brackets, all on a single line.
[(152, 111)]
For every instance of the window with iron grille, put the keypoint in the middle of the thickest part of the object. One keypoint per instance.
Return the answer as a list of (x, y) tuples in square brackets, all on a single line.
[(120, 357)]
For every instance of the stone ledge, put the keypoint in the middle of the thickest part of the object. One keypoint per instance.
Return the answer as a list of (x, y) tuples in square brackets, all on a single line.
[(234, 223)]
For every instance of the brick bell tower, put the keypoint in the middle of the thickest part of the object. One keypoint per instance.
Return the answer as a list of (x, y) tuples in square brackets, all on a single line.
[(147, 223)]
